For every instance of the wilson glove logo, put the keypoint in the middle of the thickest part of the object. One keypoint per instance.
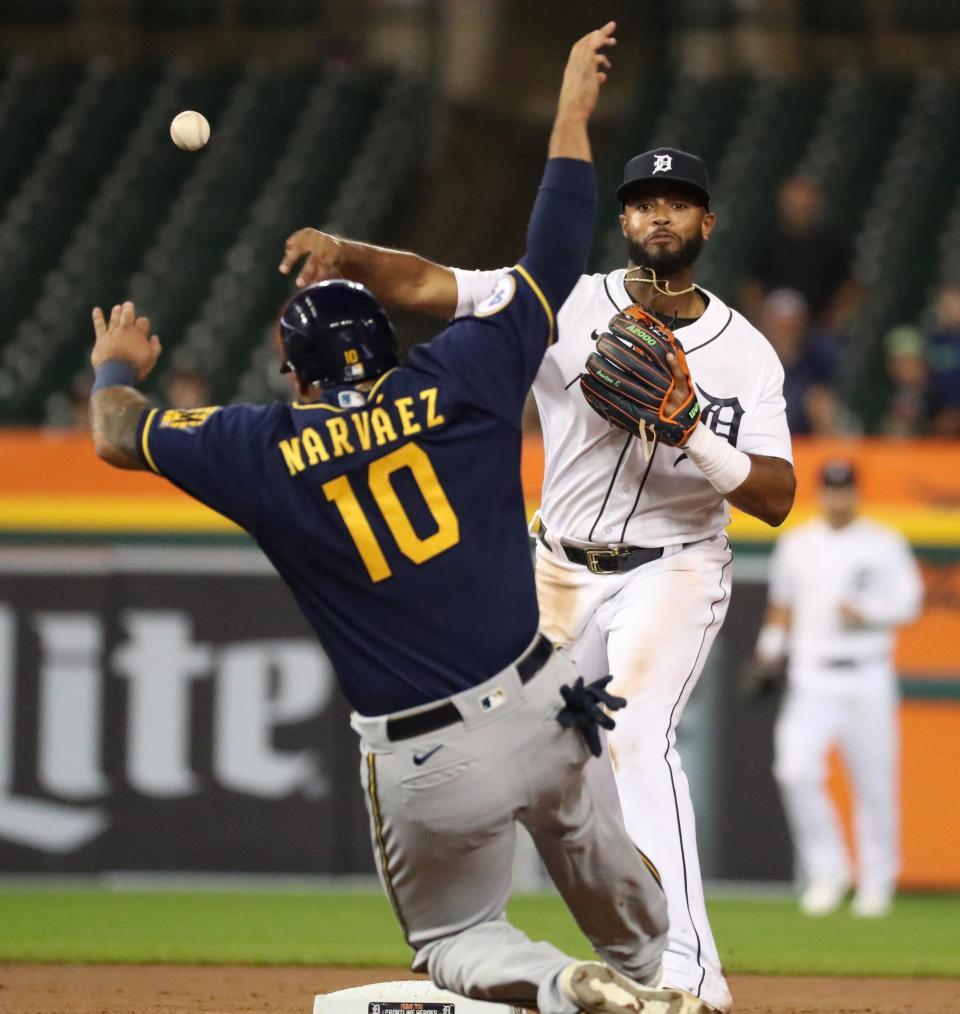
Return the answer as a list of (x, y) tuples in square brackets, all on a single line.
[(644, 336)]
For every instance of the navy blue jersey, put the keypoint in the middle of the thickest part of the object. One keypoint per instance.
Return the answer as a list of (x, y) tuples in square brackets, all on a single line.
[(398, 522)]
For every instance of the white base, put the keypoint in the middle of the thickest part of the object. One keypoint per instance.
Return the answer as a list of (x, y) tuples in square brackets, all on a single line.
[(406, 996)]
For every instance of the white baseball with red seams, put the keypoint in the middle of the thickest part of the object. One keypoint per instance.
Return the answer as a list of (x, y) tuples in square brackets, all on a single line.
[(651, 627), (190, 130)]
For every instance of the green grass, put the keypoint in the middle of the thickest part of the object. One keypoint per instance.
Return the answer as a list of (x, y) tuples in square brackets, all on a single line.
[(919, 938)]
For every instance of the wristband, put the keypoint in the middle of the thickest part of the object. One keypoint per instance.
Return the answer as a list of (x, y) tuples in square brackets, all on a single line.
[(772, 643), (725, 467), (113, 373)]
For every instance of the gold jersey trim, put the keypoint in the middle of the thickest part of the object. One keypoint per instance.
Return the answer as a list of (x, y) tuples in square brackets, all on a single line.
[(145, 443), (551, 336)]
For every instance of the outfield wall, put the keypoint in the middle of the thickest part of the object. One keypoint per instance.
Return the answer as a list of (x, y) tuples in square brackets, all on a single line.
[(163, 705)]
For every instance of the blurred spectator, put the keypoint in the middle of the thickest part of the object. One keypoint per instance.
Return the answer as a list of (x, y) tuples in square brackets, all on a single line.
[(943, 356), (802, 252), (907, 369), (187, 389), (808, 359)]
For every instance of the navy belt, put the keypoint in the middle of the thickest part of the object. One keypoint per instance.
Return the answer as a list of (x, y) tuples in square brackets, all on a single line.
[(447, 713)]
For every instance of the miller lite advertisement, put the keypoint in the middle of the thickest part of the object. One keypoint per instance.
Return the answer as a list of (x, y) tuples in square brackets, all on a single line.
[(169, 716)]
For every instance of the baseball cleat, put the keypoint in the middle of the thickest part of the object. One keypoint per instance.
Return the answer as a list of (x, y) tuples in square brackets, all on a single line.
[(870, 904), (823, 896), (597, 988)]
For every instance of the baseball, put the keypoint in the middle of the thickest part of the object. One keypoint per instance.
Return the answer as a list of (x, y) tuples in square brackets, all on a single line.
[(190, 130)]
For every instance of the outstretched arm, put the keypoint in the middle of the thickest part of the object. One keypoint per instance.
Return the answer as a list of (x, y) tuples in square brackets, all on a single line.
[(124, 352), (561, 224), (585, 72), (400, 280), (406, 281)]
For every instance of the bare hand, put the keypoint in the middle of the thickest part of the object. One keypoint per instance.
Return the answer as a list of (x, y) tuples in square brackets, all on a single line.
[(126, 337), (322, 252), (586, 70), (681, 388)]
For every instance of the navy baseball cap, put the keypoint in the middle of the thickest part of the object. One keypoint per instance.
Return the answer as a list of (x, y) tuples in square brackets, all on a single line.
[(666, 164), (838, 475)]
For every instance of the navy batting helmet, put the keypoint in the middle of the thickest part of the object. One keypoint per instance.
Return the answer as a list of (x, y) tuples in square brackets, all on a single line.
[(336, 333)]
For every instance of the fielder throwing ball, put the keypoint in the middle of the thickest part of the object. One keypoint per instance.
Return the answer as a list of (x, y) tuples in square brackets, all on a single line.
[(389, 499), (644, 451), (839, 586)]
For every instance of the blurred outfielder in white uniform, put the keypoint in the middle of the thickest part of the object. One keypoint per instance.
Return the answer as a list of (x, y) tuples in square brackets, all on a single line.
[(633, 566), (839, 586)]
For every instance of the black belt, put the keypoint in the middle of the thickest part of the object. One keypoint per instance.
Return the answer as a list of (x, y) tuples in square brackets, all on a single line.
[(611, 559), (605, 559), (447, 713)]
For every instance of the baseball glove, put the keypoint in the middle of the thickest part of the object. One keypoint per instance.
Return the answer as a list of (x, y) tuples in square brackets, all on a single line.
[(629, 382)]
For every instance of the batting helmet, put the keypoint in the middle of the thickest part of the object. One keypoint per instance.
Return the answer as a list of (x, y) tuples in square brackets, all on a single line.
[(335, 333)]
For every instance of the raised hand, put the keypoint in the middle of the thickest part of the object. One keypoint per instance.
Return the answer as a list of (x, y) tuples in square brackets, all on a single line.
[(585, 72), (125, 337), (322, 253)]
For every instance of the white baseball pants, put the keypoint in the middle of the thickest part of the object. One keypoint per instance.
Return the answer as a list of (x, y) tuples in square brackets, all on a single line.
[(856, 709), (652, 628)]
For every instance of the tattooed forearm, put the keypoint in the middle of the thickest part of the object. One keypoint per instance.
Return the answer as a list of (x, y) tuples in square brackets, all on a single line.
[(114, 415)]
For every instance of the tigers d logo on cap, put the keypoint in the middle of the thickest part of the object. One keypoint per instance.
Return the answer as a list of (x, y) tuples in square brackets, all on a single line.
[(667, 164)]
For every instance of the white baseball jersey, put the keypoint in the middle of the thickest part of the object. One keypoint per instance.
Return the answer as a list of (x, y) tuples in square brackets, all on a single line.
[(815, 569), (598, 487)]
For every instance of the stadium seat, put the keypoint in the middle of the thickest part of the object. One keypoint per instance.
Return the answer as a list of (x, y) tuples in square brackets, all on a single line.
[(897, 254)]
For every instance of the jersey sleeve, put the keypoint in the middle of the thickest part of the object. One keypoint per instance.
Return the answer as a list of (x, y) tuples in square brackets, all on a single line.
[(473, 287), (210, 453), (494, 354), (488, 360), (764, 430), (894, 594)]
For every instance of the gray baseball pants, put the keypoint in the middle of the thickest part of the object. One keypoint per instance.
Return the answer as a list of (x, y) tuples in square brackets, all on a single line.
[(443, 811)]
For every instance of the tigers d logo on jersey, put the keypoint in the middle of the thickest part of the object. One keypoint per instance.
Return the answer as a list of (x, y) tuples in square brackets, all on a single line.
[(722, 415)]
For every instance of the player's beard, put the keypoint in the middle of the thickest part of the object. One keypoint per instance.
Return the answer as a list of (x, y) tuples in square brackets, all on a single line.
[(666, 263)]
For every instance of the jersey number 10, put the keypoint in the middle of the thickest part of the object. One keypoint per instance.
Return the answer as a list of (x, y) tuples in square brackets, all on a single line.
[(379, 473)]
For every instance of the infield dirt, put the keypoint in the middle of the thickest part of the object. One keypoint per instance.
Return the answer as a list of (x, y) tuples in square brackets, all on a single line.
[(236, 989)]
